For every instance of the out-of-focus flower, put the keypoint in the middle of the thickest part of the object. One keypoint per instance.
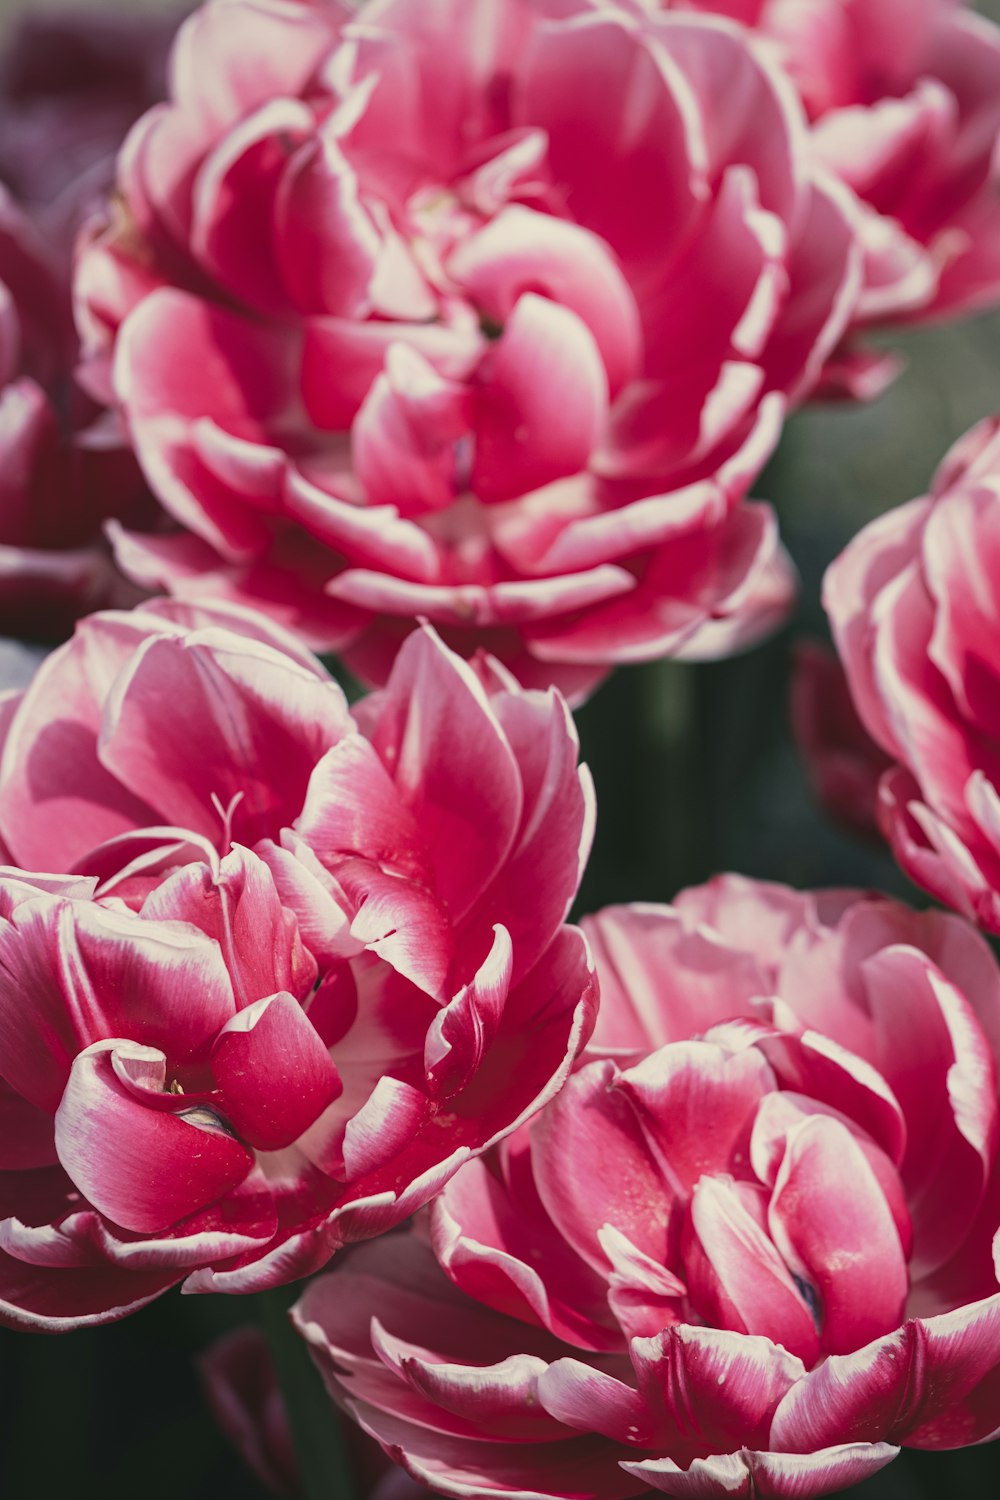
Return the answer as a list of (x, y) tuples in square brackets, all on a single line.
[(904, 98), (486, 311), (304, 965), (70, 86), (746, 1251), (241, 1389), (914, 602), (843, 761), (72, 82)]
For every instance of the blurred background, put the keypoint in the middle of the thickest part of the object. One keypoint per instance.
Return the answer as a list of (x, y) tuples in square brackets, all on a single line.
[(696, 772)]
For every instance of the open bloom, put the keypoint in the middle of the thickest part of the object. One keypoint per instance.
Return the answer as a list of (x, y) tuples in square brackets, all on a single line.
[(914, 602), (904, 100), (485, 312), (746, 1251), (70, 86), (305, 963)]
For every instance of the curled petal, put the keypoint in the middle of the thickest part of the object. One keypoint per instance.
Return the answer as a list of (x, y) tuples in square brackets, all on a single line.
[(142, 1167)]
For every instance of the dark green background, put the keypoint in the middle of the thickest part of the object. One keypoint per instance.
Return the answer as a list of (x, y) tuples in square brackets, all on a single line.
[(695, 773)]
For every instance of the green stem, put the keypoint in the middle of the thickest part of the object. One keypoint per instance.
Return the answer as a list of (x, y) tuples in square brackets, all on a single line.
[(316, 1428)]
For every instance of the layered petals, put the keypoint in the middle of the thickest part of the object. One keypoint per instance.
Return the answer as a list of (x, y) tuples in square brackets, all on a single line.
[(305, 970), (912, 602), (903, 105), (706, 1267), (502, 314)]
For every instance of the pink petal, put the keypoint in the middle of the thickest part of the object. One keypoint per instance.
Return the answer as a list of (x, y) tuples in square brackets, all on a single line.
[(522, 251), (931, 1384), (535, 887), (353, 807), (546, 1022), (747, 114), (325, 242), (593, 1166), (341, 357), (825, 275), (710, 592), (280, 50), (77, 973), (466, 1028), (543, 402), (275, 1074), (25, 1133), (233, 202), (386, 1123), (496, 1243), (405, 438), (813, 1065), (179, 361), (695, 1104), (594, 1401), (142, 1167), (712, 1390), (56, 800), (260, 723), (436, 734), (831, 1222), (500, 1400), (240, 908), (942, 1070), (766, 1476), (737, 1279), (401, 921), (850, 587), (306, 889), (472, 605), (190, 568), (621, 132), (53, 1301), (636, 948)]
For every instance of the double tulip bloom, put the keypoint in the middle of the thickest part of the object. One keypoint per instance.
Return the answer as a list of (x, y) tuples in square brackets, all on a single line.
[(487, 313), (304, 963), (913, 605), (747, 1249)]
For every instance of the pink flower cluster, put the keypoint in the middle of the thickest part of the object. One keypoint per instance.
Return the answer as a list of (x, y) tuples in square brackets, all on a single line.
[(304, 965), (452, 335), (747, 1249)]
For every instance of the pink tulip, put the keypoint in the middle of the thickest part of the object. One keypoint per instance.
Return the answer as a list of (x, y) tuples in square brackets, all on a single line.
[(913, 605), (746, 1251), (843, 761), (904, 99), (306, 962), (70, 86), (477, 311)]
